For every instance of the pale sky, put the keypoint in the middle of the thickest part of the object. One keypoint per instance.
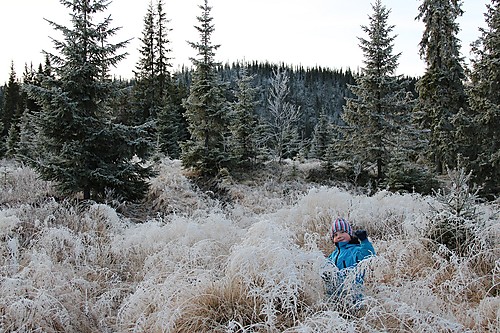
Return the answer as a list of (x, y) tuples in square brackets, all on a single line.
[(296, 32)]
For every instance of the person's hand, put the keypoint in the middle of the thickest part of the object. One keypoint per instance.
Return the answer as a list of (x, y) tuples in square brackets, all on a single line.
[(361, 234)]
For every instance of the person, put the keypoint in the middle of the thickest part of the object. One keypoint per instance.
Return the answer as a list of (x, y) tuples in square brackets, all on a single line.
[(350, 249)]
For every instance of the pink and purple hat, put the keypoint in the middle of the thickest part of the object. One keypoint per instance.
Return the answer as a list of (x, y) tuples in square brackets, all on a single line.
[(341, 224)]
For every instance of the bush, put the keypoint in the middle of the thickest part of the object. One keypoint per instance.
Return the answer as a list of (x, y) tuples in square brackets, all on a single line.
[(455, 221)]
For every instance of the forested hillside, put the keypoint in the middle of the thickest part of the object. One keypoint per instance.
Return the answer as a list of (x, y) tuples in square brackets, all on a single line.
[(370, 127)]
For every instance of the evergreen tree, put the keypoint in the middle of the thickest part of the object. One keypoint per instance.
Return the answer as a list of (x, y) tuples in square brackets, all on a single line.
[(155, 94), (145, 97), (12, 105), (403, 175), (162, 51), (28, 148), (30, 76), (2, 142), (374, 115), (244, 121), (322, 138), (171, 124), (206, 107), (484, 95), (283, 137), (84, 149), (442, 100), (13, 137), (22, 142)]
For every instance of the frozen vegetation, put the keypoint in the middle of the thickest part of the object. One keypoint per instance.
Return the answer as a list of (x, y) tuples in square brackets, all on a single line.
[(187, 262)]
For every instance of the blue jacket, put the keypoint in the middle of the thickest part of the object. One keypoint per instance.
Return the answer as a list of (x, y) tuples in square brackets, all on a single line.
[(348, 255)]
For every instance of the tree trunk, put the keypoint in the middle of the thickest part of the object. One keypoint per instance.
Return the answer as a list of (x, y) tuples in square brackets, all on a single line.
[(86, 193)]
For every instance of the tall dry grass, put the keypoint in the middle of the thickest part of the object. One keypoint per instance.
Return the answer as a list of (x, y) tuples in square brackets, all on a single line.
[(250, 264)]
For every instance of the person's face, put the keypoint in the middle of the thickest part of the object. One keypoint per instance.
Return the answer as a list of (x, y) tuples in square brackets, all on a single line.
[(341, 236)]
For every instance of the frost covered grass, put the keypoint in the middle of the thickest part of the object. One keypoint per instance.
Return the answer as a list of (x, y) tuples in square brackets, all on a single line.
[(250, 264)]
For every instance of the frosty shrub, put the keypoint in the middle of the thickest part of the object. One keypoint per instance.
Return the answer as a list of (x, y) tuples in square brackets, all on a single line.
[(455, 221), (21, 184), (171, 191)]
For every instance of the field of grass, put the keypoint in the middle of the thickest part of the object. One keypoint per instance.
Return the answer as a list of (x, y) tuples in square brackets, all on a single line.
[(185, 261)]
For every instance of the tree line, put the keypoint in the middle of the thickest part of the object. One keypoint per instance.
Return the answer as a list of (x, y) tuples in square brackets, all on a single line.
[(92, 134)]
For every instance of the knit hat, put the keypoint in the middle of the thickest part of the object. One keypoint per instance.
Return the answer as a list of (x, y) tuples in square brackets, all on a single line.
[(341, 224)]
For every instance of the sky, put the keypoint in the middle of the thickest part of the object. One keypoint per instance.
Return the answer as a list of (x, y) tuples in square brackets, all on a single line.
[(296, 32)]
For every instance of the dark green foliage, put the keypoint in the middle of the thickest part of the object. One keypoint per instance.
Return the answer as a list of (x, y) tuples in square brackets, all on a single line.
[(442, 102), (145, 89), (406, 176), (171, 125), (244, 133), (375, 116), (12, 109), (156, 97), (23, 138), (12, 143), (206, 107), (152, 73), (84, 148), (322, 138), (484, 100)]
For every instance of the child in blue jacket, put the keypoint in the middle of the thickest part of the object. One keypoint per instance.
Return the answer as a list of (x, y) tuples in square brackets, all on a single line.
[(350, 249)]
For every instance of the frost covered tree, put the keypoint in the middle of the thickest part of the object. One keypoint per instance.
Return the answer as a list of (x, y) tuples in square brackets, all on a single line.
[(484, 95), (455, 221), (283, 136), (373, 117), (84, 149), (206, 106), (442, 101), (244, 121)]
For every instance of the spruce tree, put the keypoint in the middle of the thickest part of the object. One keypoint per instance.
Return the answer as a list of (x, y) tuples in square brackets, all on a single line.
[(484, 95), (244, 121), (162, 61), (442, 102), (322, 138), (85, 150), (155, 95), (152, 75), (12, 104), (206, 107), (146, 101), (13, 138), (169, 119), (2, 142), (373, 116), (171, 125)]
